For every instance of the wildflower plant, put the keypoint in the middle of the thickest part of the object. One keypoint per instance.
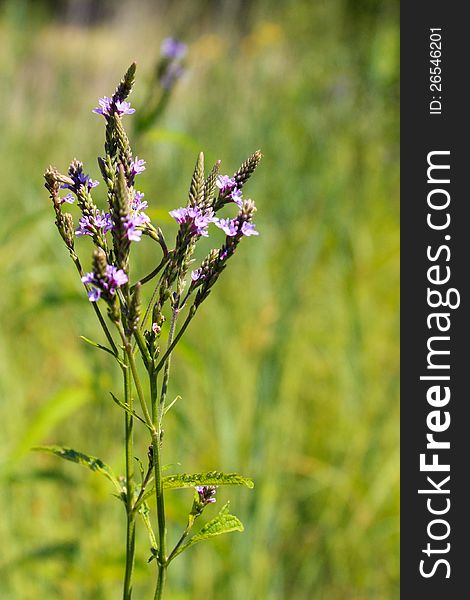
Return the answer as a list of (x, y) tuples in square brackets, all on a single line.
[(149, 336)]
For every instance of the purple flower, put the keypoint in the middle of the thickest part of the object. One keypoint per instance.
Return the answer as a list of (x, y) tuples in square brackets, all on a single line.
[(249, 229), (173, 48), (138, 166), (79, 178), (224, 183), (89, 225), (198, 218), (196, 274), (68, 198), (236, 196), (108, 106), (94, 294), (180, 215), (206, 493), (131, 225), (107, 285), (138, 203), (229, 226), (115, 278)]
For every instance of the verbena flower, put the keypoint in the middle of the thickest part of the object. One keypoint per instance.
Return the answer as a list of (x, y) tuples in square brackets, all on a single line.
[(233, 227), (224, 183), (199, 218), (109, 106), (138, 203), (79, 178), (206, 493), (131, 224), (89, 225), (172, 48), (69, 198), (236, 196), (138, 165), (105, 286)]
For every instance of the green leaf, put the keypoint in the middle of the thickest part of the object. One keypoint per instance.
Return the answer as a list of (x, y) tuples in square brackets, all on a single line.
[(185, 480), (101, 347), (224, 522), (93, 463), (127, 409)]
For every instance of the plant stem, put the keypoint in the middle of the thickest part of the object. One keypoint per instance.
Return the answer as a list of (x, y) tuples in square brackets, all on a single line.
[(130, 533), (166, 372), (171, 347), (160, 582)]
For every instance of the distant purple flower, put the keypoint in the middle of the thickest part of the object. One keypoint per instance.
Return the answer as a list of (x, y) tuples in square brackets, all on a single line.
[(206, 493), (198, 218), (106, 285), (236, 196), (89, 225), (173, 48), (138, 166), (225, 183), (249, 229), (108, 106), (229, 226)]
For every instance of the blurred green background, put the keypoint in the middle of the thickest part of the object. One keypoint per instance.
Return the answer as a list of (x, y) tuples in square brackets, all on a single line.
[(289, 374)]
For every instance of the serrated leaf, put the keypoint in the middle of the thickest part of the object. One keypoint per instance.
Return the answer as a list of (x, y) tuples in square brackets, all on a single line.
[(185, 480), (224, 522), (93, 463)]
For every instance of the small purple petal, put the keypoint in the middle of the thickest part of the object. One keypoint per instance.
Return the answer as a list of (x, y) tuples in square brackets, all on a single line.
[(196, 274), (94, 294), (225, 182), (249, 229), (236, 196)]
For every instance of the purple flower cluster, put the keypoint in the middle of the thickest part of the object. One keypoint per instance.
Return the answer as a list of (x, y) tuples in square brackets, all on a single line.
[(233, 227), (228, 187), (109, 106), (79, 178), (136, 218), (69, 198), (199, 219), (106, 285), (131, 224), (206, 493), (99, 222)]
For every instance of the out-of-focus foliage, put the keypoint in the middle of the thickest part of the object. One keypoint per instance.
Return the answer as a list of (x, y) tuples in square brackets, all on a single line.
[(289, 374)]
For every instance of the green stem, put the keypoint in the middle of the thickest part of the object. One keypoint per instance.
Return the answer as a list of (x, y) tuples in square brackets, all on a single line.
[(130, 533), (171, 347), (166, 372), (160, 582)]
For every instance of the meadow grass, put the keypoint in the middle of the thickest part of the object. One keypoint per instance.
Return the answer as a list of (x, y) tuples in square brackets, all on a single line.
[(288, 375)]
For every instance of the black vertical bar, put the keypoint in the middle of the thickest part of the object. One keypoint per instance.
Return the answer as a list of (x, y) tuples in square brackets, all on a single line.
[(423, 246)]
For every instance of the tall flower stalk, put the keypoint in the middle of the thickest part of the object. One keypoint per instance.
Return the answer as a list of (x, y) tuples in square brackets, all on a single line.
[(149, 334)]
